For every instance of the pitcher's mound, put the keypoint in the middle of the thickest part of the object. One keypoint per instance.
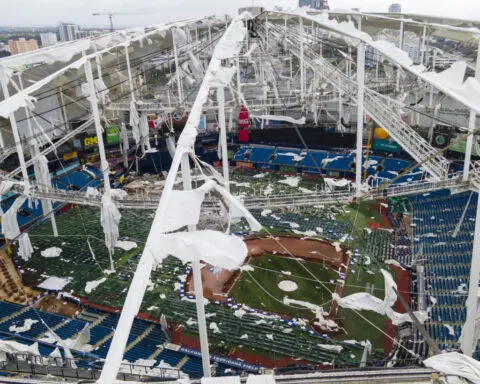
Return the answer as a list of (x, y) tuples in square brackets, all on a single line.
[(288, 286)]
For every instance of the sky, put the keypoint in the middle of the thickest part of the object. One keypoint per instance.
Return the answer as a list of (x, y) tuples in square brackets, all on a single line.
[(51, 12)]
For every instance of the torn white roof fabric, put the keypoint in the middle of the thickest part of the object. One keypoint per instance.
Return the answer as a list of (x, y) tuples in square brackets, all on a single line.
[(468, 93), (11, 230), (170, 141), (6, 186), (185, 206), (260, 379), (287, 119), (110, 219), (102, 45), (336, 182), (454, 363), (216, 75), (42, 172), (215, 248), (363, 301), (134, 122), (9, 219), (221, 380), (13, 347), (184, 209)]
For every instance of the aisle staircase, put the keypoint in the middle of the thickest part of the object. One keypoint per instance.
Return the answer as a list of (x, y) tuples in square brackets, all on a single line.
[(157, 352), (89, 316), (15, 314), (101, 341), (182, 362), (140, 337), (59, 325)]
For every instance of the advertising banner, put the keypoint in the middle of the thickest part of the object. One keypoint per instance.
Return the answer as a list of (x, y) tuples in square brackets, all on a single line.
[(113, 134), (386, 145)]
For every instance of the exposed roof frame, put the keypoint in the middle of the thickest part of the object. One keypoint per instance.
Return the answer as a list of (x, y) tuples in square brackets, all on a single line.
[(395, 55)]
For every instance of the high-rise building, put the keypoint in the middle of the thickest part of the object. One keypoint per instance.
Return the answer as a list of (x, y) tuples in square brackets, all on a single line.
[(48, 39), (88, 33), (411, 45), (395, 8), (21, 46), (321, 5), (68, 32)]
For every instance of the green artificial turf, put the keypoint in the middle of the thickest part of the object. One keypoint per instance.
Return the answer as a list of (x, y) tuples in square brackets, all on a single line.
[(359, 216), (357, 327), (252, 287), (76, 262)]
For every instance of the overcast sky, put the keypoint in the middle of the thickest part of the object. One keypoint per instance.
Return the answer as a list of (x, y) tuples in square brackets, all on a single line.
[(50, 12)]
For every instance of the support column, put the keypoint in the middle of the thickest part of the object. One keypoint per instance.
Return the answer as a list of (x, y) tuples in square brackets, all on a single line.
[(239, 81), (434, 64), (422, 49), (177, 66), (92, 95), (400, 42), (360, 100), (468, 339), (348, 65), (124, 144), (64, 110), (471, 125), (197, 281), (13, 123), (302, 63), (137, 288), (47, 206), (99, 66), (267, 41), (340, 108), (468, 152), (400, 45), (209, 36), (223, 134), (129, 72)]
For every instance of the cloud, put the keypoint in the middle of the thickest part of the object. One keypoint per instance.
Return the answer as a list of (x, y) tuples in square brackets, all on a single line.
[(51, 12)]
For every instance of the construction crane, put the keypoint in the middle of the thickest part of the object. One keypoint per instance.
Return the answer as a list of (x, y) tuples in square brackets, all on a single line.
[(111, 14)]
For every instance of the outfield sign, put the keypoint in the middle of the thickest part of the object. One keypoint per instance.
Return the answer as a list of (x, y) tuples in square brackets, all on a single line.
[(266, 167), (70, 156), (222, 360), (89, 141), (113, 134), (386, 145), (285, 169), (459, 146), (244, 164)]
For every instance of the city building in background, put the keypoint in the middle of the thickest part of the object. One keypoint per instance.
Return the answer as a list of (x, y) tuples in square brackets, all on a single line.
[(411, 45), (321, 5), (48, 39), (68, 32), (88, 33), (22, 45), (395, 8)]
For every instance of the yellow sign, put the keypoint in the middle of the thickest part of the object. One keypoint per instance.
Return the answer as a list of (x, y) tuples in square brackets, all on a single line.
[(242, 164), (70, 156), (88, 141)]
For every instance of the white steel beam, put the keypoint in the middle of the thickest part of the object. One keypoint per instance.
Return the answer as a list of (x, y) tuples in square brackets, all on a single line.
[(360, 113)]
